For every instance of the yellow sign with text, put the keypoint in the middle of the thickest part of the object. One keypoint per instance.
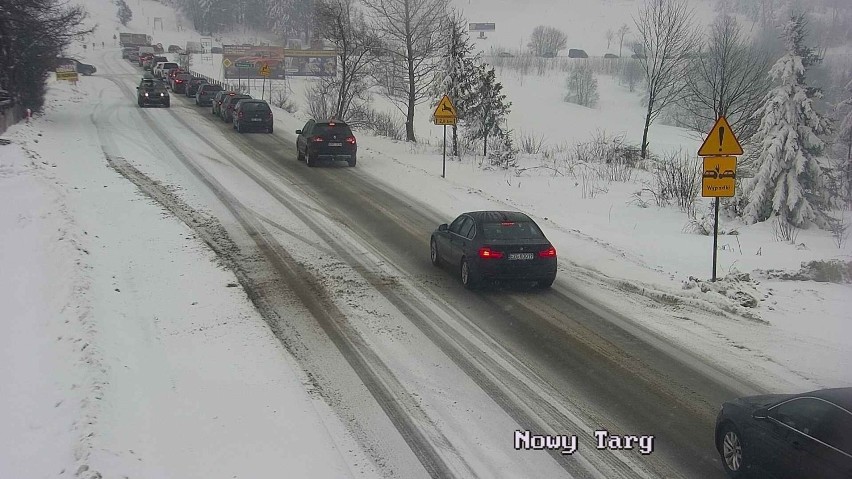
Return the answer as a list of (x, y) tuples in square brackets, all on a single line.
[(264, 70), (445, 112), (719, 177)]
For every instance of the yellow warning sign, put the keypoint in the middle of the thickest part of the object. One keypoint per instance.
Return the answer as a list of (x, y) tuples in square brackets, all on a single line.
[(445, 112), (226, 63), (719, 177), (264, 70), (721, 141)]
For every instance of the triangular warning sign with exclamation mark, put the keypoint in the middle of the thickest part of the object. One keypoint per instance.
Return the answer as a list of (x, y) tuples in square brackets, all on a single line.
[(721, 141)]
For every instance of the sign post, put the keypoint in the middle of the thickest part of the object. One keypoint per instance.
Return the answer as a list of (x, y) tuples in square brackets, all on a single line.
[(720, 171), (445, 114), (264, 72)]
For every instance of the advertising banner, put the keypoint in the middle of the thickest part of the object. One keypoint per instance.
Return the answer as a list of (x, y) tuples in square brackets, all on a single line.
[(274, 62), (66, 72)]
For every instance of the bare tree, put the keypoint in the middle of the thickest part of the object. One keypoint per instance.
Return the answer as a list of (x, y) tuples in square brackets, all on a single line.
[(411, 47), (667, 37), (344, 26), (547, 40), (609, 36), (622, 32), (728, 77), (582, 86)]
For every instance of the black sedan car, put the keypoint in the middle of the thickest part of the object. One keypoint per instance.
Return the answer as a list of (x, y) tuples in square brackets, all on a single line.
[(787, 435), (326, 140), (495, 245)]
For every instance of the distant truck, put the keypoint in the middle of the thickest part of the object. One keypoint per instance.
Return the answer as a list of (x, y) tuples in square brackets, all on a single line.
[(193, 47), (128, 39)]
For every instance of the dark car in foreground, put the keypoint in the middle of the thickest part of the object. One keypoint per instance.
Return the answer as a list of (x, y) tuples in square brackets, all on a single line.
[(252, 115), (494, 245), (226, 111), (326, 140), (787, 436), (152, 92), (205, 93)]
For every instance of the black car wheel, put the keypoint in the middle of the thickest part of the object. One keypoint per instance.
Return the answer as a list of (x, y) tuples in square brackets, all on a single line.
[(546, 283), (352, 161), (309, 159), (468, 278), (238, 127), (269, 130), (732, 452), (433, 253)]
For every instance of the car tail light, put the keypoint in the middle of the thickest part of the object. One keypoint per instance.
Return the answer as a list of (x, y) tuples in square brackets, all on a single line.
[(548, 253), (178, 81), (317, 139), (507, 223), (240, 114), (350, 140), (487, 253)]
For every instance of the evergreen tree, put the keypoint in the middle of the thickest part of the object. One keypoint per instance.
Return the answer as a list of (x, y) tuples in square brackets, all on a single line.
[(788, 175), (844, 138), (124, 12), (459, 63), (488, 109)]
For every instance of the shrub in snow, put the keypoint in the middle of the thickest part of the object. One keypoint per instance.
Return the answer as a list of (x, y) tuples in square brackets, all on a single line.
[(676, 179), (736, 286), (582, 86), (830, 271), (784, 230), (281, 98), (531, 143), (787, 180), (547, 40)]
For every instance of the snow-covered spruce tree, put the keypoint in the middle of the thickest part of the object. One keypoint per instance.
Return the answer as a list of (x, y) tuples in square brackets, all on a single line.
[(459, 63), (503, 152), (844, 140), (124, 12), (787, 180), (488, 108)]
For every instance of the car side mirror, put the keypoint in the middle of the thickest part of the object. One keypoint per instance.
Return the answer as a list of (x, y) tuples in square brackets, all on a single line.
[(298, 132), (442, 227), (761, 413)]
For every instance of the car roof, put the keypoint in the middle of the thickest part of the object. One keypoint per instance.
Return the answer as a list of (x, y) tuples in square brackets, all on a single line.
[(839, 396), (497, 216)]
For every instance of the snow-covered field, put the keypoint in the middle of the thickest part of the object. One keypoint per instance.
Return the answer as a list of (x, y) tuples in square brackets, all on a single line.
[(102, 291)]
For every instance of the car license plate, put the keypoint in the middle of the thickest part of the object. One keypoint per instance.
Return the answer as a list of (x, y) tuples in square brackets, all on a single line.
[(335, 144), (514, 256), (257, 119)]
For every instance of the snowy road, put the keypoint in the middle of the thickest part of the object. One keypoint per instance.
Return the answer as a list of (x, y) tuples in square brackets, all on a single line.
[(434, 380)]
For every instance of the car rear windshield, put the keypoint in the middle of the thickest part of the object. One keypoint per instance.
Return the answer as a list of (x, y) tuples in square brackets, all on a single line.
[(338, 129), (169, 65), (512, 230), (210, 88), (183, 76), (254, 106)]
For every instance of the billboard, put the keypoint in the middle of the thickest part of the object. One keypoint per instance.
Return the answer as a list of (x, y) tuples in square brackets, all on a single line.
[(126, 39), (246, 61)]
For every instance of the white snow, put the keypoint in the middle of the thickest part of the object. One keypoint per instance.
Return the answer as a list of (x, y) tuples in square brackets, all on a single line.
[(126, 351)]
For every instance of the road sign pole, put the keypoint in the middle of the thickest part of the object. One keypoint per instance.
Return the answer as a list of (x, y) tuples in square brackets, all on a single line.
[(715, 235), (444, 167)]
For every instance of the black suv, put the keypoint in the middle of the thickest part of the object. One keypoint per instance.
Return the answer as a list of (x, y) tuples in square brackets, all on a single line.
[(226, 111), (152, 92), (252, 114), (204, 96), (330, 139)]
